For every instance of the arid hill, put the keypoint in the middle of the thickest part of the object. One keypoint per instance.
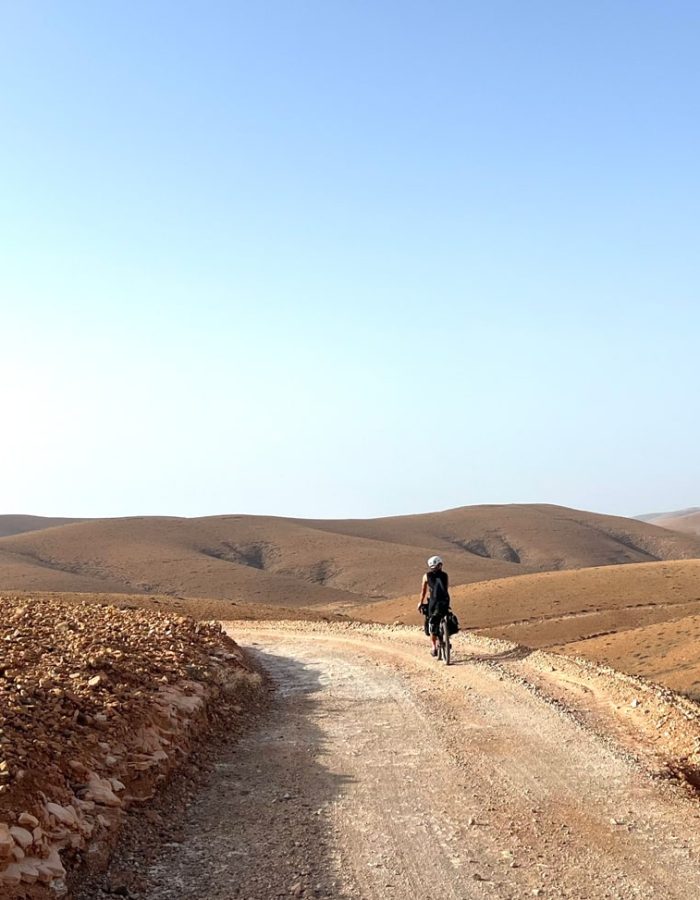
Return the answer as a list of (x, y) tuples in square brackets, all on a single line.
[(641, 619), (21, 524), (329, 563), (687, 520)]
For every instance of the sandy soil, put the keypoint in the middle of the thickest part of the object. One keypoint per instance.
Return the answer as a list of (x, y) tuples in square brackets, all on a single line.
[(380, 774)]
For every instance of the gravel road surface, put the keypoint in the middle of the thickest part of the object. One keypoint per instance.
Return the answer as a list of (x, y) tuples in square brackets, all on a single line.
[(379, 774)]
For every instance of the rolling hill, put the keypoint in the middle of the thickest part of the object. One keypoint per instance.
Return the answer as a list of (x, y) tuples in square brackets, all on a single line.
[(329, 564), (687, 520), (620, 591)]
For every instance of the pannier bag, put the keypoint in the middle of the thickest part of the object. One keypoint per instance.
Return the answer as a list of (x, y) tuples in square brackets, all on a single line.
[(452, 623)]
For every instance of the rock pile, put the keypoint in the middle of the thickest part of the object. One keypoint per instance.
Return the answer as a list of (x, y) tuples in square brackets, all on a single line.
[(97, 706)]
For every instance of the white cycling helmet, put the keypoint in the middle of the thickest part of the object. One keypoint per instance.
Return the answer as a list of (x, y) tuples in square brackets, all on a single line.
[(434, 562)]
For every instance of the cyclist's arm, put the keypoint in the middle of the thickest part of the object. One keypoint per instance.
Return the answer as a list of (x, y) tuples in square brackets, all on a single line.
[(423, 592)]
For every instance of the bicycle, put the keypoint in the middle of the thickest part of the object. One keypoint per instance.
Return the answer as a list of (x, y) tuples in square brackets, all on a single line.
[(444, 643)]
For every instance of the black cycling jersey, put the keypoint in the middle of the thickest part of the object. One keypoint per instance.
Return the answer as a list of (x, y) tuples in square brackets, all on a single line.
[(439, 597)]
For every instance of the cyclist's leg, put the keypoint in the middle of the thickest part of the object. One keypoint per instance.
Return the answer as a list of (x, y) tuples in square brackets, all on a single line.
[(426, 627), (434, 629), (428, 632)]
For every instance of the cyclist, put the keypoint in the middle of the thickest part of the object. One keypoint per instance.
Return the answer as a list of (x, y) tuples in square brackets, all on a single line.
[(434, 587)]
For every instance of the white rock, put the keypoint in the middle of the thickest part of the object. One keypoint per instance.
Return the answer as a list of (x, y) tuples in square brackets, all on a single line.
[(54, 864), (11, 874), (65, 814), (26, 818), (29, 871), (21, 836)]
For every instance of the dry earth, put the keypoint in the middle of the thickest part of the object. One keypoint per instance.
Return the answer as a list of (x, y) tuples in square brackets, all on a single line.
[(302, 563), (525, 773), (97, 707), (640, 619), (667, 652), (381, 774)]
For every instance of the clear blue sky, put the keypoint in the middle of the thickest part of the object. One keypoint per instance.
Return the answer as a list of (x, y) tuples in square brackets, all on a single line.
[(345, 258)]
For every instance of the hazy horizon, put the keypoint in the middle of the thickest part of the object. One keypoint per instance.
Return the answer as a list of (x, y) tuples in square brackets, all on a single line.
[(417, 512), (349, 260)]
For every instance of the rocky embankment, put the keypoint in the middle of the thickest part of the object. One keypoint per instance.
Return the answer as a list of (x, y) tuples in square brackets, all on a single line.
[(98, 706)]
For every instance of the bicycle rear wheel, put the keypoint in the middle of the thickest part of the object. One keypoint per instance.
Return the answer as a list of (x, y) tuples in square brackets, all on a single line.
[(445, 640)]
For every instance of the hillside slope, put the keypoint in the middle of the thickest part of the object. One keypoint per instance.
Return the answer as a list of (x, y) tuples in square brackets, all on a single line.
[(666, 652), (296, 562)]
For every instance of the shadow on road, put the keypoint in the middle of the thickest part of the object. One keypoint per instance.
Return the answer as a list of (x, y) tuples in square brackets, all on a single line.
[(259, 828)]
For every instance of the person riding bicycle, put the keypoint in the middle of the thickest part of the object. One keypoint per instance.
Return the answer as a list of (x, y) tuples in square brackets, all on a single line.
[(434, 587)]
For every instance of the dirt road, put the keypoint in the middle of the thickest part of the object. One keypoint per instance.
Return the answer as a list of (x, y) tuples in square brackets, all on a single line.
[(380, 774)]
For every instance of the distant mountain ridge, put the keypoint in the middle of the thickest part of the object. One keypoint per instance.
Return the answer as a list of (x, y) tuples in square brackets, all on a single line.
[(320, 563), (676, 514), (687, 520)]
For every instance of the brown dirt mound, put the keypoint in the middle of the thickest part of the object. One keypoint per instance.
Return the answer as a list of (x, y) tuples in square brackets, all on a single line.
[(97, 706)]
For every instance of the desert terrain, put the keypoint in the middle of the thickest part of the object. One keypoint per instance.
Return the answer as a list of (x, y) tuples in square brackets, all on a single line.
[(640, 619), (540, 575), (295, 562), (565, 731)]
